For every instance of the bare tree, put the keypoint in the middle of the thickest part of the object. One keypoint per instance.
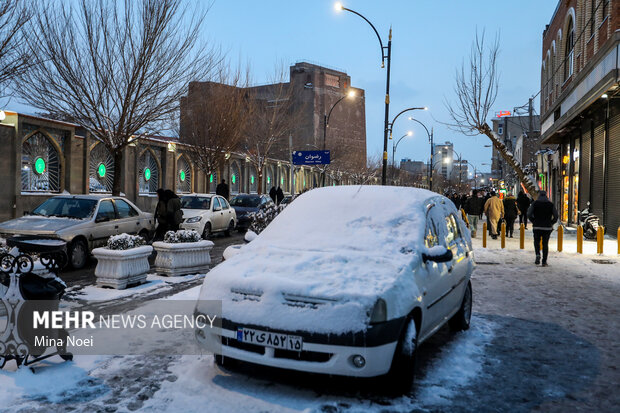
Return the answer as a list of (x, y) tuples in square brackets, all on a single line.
[(274, 115), (476, 89), (14, 14), (118, 68), (213, 120)]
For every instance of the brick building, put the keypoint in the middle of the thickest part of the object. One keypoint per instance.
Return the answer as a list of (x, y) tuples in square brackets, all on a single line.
[(316, 89), (580, 108)]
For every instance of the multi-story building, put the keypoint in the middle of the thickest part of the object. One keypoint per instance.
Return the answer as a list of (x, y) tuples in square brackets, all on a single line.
[(580, 108), (443, 159), (315, 90), (413, 167)]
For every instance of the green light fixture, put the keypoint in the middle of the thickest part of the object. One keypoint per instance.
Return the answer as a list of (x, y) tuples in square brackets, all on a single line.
[(39, 165), (182, 176), (147, 174), (268, 179), (234, 178), (101, 170), (252, 179), (211, 179), (281, 180)]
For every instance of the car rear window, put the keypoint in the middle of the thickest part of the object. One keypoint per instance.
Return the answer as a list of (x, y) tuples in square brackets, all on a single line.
[(245, 201)]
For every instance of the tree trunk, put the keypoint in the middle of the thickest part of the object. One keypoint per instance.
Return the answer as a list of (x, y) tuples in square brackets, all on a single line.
[(118, 179), (259, 188), (509, 158)]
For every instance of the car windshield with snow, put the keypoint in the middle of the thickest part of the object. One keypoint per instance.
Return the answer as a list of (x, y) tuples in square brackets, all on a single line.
[(353, 296), (66, 208)]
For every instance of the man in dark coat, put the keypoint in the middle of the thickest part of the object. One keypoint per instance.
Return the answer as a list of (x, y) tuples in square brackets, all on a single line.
[(510, 213), (161, 215), (279, 195), (523, 202), (222, 189), (473, 209), (272, 193), (543, 214), (173, 210)]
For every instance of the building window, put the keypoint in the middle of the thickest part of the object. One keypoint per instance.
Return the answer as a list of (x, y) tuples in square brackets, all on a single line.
[(235, 177), (605, 8), (331, 80), (101, 169), (500, 130), (184, 175), (212, 184), (253, 180), (592, 16), (148, 173), (568, 51), (40, 165)]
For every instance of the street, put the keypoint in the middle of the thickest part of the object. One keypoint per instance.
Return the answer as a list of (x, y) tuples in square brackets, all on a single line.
[(542, 339)]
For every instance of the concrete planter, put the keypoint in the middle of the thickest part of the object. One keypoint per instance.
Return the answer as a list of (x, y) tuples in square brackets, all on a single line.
[(182, 258), (120, 268)]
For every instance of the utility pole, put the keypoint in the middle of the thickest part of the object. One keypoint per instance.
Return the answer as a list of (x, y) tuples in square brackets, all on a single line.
[(530, 109)]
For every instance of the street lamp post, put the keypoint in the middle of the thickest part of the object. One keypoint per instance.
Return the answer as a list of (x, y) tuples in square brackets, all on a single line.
[(430, 139), (394, 146), (326, 117), (386, 54)]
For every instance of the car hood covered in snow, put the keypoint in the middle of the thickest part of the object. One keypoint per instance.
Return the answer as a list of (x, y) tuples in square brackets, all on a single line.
[(38, 225), (325, 260)]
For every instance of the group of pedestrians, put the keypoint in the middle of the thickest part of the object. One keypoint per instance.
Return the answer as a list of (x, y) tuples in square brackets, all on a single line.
[(541, 213), (168, 213), (276, 194)]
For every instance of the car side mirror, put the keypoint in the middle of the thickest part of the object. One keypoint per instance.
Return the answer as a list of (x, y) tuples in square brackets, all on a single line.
[(437, 254), (217, 209), (102, 218)]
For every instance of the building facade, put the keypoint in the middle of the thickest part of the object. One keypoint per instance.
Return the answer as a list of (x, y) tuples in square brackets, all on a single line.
[(580, 109), (443, 159), (43, 158)]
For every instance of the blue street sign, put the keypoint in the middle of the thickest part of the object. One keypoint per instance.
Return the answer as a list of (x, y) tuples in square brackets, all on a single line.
[(310, 157)]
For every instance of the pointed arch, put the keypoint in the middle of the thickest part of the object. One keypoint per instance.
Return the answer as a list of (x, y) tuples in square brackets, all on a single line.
[(42, 163), (184, 174)]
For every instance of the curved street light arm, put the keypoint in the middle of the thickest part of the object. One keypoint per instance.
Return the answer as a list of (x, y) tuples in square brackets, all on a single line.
[(400, 113), (424, 126), (405, 135), (383, 56), (330, 111)]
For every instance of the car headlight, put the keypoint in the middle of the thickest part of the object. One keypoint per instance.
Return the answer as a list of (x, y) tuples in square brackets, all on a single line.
[(193, 219), (379, 312)]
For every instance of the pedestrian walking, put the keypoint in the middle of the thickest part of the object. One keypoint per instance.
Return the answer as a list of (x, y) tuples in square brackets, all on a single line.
[(543, 214), (456, 200), (222, 189), (173, 209), (511, 211), (279, 195), (272, 194), (494, 210), (474, 208), (161, 215), (523, 202)]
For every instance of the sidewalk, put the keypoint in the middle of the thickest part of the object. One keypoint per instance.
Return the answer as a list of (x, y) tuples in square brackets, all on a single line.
[(610, 245)]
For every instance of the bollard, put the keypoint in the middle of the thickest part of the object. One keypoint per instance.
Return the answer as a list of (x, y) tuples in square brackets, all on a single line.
[(600, 232), (560, 237), (521, 236), (540, 246), (503, 244), (579, 239), (618, 238), (484, 235)]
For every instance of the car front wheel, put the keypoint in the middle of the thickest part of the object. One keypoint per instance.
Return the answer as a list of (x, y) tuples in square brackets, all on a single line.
[(206, 232), (78, 254), (461, 320), (402, 371)]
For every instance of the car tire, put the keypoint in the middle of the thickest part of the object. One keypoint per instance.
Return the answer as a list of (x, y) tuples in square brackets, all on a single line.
[(78, 254), (402, 371), (231, 227), (145, 234), (462, 319), (206, 232)]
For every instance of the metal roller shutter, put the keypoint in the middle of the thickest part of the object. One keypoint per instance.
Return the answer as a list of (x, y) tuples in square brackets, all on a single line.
[(597, 170), (612, 210), (584, 165)]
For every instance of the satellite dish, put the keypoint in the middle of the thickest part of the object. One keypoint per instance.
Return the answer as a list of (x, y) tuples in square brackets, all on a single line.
[(2, 115)]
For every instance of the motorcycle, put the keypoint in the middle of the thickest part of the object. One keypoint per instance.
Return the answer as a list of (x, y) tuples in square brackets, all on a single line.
[(589, 222)]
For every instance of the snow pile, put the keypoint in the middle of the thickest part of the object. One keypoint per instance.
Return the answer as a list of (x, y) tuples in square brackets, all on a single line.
[(263, 217), (181, 236), (124, 242), (346, 246)]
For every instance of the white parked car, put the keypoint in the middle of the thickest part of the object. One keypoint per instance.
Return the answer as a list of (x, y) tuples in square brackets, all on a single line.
[(83, 221), (348, 281), (207, 214)]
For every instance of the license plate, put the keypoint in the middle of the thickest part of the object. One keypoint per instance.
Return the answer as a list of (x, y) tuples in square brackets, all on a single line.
[(264, 338)]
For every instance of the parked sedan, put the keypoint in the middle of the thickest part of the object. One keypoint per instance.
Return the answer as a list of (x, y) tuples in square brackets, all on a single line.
[(339, 284), (83, 221), (207, 214), (247, 203)]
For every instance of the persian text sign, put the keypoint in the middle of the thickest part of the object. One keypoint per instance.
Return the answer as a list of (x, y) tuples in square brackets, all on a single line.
[(310, 157)]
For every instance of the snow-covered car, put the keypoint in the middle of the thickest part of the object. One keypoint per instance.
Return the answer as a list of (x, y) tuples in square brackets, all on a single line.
[(245, 204), (234, 249), (340, 284), (207, 214), (83, 221)]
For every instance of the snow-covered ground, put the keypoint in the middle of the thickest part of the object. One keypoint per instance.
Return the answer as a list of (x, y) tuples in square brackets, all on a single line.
[(541, 339)]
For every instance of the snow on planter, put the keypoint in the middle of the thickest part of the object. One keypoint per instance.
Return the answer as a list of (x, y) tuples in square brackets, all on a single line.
[(124, 261), (181, 253)]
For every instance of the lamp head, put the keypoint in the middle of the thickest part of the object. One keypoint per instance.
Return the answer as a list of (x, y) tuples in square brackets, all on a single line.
[(425, 107), (338, 6), (410, 133), (351, 93)]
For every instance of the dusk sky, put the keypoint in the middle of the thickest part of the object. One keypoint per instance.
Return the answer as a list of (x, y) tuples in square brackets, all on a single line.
[(430, 40)]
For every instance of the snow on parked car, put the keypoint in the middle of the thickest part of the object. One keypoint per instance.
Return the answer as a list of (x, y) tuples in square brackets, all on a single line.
[(346, 281)]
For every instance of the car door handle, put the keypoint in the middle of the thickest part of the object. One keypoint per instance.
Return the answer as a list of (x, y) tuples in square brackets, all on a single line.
[(138, 223), (115, 226)]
